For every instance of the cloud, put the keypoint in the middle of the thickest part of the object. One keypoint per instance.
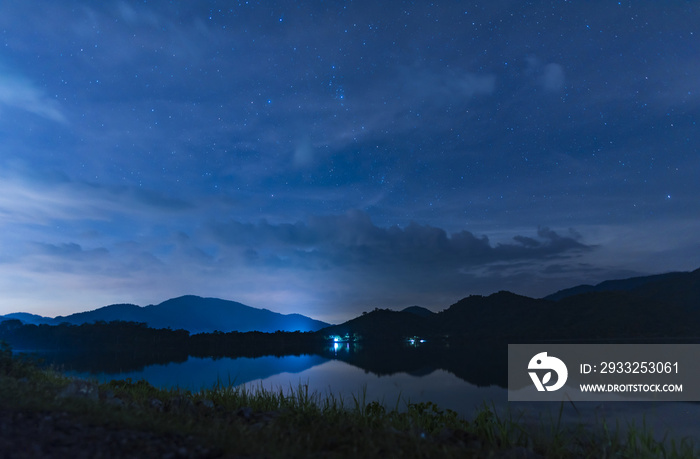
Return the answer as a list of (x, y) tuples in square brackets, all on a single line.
[(133, 17), (443, 86), (70, 260), (69, 250), (550, 77), (353, 240), (471, 84), (304, 153), (46, 196), (18, 93)]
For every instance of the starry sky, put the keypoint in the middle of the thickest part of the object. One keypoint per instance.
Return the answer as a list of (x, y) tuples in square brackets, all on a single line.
[(330, 157)]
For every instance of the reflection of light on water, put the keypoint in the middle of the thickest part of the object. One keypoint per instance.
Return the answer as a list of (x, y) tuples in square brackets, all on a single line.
[(340, 346), (415, 341)]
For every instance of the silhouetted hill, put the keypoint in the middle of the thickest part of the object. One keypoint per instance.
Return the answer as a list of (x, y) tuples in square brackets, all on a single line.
[(656, 307), (123, 312), (630, 284), (681, 289), (619, 314), (382, 324), (493, 317), (209, 314), (192, 313), (419, 311)]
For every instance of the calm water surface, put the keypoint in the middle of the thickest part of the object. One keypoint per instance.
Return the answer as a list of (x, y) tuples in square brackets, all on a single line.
[(327, 375)]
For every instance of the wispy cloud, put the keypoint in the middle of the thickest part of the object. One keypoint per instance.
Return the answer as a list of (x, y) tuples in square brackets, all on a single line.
[(49, 196), (19, 93)]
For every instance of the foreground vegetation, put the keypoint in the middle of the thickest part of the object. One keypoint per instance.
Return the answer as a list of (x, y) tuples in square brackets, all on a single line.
[(253, 422)]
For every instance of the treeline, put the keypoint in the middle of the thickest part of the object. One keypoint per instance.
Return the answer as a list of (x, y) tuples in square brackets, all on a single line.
[(138, 337), (107, 336), (254, 344)]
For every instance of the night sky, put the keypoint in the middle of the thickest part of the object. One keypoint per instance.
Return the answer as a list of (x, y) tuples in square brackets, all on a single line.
[(328, 158)]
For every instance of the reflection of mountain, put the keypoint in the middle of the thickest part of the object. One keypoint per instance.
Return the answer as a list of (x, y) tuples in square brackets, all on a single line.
[(125, 364), (110, 362), (195, 373), (481, 365), (191, 313), (656, 307)]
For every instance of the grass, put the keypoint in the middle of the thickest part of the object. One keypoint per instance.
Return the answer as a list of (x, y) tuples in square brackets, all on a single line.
[(296, 422)]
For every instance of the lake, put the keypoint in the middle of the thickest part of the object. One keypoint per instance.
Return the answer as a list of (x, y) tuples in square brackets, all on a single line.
[(393, 377)]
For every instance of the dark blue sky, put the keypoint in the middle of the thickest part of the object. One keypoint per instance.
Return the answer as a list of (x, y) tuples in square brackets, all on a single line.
[(332, 157)]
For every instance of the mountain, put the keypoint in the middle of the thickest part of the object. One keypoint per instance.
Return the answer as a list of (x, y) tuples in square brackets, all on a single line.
[(192, 313), (665, 306), (419, 311), (650, 284), (648, 307), (502, 314), (27, 318), (381, 324), (209, 314), (124, 312), (682, 289), (385, 324)]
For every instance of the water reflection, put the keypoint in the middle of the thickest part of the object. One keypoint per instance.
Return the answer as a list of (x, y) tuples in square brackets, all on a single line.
[(343, 347), (350, 383), (396, 377), (196, 373)]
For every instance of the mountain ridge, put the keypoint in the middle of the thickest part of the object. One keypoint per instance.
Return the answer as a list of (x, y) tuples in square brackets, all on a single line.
[(647, 307), (684, 286), (419, 311), (665, 304), (189, 312)]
